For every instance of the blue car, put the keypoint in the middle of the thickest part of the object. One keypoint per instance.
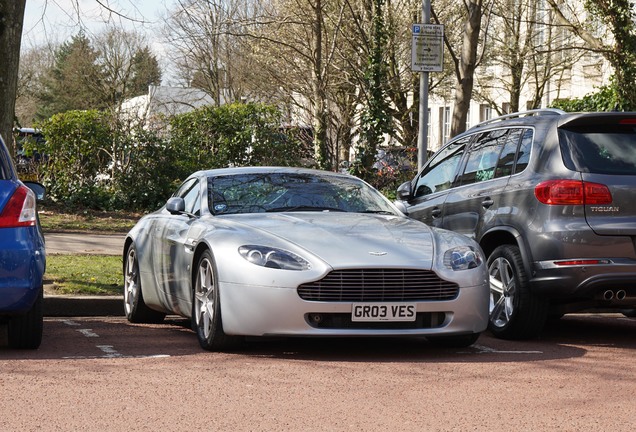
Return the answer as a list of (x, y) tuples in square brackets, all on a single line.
[(22, 257)]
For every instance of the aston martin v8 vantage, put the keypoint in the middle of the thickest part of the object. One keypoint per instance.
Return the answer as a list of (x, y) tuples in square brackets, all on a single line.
[(267, 251)]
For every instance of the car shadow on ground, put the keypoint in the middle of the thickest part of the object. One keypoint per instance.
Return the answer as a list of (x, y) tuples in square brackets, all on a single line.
[(570, 337)]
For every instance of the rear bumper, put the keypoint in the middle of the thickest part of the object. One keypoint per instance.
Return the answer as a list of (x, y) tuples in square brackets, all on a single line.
[(587, 282), (22, 266)]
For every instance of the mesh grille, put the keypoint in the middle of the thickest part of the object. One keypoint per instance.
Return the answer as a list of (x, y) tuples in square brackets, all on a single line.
[(377, 285)]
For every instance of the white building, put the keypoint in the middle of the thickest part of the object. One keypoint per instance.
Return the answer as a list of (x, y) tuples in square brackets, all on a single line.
[(161, 102)]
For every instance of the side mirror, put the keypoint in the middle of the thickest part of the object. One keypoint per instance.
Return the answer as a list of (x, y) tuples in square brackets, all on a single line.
[(38, 189), (404, 192), (401, 207), (175, 205)]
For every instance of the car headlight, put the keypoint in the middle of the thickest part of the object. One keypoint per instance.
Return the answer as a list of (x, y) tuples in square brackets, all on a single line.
[(462, 258), (270, 257)]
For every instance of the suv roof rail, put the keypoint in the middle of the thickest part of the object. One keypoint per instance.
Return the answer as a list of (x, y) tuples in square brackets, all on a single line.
[(534, 112)]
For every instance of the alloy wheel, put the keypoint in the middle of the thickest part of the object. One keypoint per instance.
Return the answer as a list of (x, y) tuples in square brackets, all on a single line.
[(502, 291), (131, 281), (204, 297)]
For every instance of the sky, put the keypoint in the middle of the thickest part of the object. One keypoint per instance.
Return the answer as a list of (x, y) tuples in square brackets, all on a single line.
[(55, 21)]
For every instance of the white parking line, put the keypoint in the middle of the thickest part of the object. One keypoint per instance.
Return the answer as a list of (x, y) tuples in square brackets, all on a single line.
[(70, 323), (108, 350), (88, 333)]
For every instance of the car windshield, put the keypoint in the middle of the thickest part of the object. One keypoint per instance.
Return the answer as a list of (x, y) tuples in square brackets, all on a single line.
[(600, 149), (293, 191)]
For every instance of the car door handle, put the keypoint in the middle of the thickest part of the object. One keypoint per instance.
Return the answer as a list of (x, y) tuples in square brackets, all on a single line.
[(487, 202), (436, 212)]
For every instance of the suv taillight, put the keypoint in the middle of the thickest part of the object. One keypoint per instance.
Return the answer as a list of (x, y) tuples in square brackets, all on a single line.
[(572, 192), (20, 210)]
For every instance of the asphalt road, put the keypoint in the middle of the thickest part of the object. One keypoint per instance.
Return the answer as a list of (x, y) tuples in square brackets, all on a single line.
[(105, 374), (68, 306), (68, 243)]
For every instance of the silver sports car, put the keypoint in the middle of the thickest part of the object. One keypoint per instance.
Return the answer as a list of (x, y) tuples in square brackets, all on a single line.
[(296, 252)]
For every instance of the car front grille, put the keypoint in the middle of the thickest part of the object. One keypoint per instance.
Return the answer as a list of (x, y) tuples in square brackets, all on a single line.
[(423, 320), (379, 285)]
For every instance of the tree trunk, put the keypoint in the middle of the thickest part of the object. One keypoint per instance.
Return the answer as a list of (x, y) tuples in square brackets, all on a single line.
[(321, 117), (466, 69), (11, 20)]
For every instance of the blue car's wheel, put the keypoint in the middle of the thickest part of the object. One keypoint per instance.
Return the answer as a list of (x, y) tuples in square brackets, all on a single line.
[(25, 331)]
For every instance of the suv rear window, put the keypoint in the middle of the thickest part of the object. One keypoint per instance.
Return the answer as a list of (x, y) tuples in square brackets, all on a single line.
[(606, 149)]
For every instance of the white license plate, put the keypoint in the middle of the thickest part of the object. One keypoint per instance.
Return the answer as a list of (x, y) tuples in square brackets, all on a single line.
[(383, 312)]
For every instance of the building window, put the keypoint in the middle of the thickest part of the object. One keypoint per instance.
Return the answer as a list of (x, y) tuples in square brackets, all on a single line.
[(428, 129), (485, 112), (445, 124)]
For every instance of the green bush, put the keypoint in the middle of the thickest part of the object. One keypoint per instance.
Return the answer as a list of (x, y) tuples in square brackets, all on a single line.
[(75, 156), (93, 160), (234, 135), (605, 99)]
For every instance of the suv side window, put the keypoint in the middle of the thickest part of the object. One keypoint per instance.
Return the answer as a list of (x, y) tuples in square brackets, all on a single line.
[(483, 157), (506, 163), (439, 174), (523, 154)]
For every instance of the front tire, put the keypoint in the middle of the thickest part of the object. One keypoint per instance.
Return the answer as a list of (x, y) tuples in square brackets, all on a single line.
[(134, 305), (206, 308), (515, 313), (25, 331)]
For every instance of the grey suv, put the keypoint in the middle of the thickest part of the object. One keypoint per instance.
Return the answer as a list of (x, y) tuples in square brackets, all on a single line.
[(551, 198)]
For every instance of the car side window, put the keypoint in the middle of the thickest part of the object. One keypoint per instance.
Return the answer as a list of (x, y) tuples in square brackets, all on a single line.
[(189, 191), (439, 174), (483, 157), (523, 155), (506, 162)]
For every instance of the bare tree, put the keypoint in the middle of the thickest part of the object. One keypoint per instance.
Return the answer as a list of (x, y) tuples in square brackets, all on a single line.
[(119, 60), (33, 66), (616, 42), (205, 51), (525, 52), (466, 63)]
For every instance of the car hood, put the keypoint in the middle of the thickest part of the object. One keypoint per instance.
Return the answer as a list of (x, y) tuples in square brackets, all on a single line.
[(345, 240)]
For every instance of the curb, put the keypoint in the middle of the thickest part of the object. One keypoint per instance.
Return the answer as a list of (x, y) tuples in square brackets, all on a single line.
[(68, 306)]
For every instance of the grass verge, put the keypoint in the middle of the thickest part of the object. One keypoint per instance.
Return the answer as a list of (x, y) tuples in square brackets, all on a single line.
[(84, 274), (53, 219)]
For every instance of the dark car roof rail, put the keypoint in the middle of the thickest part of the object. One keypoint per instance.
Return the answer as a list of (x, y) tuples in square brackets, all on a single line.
[(534, 112)]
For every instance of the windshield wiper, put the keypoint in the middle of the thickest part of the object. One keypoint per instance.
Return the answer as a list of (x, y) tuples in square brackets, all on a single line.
[(382, 212), (303, 208)]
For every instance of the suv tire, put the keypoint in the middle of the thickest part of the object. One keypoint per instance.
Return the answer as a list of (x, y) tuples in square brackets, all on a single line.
[(515, 313)]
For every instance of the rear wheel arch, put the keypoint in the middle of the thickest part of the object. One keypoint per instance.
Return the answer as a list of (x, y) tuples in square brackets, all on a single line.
[(505, 235)]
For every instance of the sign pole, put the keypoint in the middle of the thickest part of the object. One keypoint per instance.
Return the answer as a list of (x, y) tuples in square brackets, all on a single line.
[(422, 139)]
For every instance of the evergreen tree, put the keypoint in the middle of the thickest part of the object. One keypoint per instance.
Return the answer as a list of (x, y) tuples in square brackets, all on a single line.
[(71, 83), (376, 116), (146, 72)]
